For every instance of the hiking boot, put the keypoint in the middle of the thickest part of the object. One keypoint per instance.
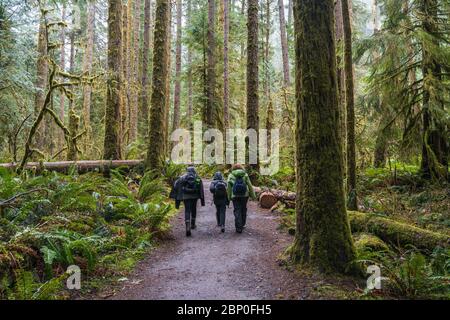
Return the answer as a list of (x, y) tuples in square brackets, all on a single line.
[(239, 230), (193, 226), (188, 229), (222, 229)]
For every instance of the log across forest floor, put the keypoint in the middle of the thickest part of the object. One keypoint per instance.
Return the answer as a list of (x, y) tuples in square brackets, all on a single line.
[(212, 265)]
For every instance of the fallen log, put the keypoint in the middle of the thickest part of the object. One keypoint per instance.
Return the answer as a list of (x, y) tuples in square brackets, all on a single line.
[(267, 200), (390, 231), (81, 166), (396, 233)]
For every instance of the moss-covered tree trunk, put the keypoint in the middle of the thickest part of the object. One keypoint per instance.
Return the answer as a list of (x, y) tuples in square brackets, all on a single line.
[(350, 107), (211, 74), (41, 80), (112, 145), (177, 89), (62, 64), (226, 87), (135, 83), (323, 237), (284, 44), (190, 88), (155, 152), (87, 68), (145, 68), (339, 32), (252, 72), (435, 143)]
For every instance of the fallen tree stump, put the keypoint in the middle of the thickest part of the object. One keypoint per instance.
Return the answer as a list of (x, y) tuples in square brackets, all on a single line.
[(81, 166), (267, 200), (396, 233)]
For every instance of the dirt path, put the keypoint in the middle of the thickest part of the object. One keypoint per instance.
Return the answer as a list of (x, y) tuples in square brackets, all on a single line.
[(212, 265)]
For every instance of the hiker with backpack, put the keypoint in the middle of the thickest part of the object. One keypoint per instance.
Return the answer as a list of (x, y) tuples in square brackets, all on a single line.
[(189, 188), (218, 188), (239, 190)]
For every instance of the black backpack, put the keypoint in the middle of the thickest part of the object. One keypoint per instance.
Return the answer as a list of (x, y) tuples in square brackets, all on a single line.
[(240, 187), (220, 190), (191, 184)]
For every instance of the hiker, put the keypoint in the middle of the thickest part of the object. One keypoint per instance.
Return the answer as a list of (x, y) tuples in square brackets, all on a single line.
[(239, 190), (189, 188), (218, 188)]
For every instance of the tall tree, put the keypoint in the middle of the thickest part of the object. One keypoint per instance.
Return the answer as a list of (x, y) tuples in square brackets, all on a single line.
[(252, 71), (156, 145), (145, 64), (112, 143), (189, 72), (41, 80), (211, 74), (350, 107), (284, 44), (62, 61), (87, 67), (434, 147), (177, 89), (323, 238), (134, 103), (226, 88)]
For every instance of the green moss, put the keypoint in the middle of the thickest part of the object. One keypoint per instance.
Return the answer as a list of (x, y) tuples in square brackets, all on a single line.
[(367, 242), (396, 233)]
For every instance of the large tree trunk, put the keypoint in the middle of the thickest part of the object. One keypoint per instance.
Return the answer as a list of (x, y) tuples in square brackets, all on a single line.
[(125, 71), (252, 73), (135, 92), (339, 29), (226, 89), (41, 81), (352, 203), (211, 74), (177, 89), (62, 63), (87, 69), (284, 44), (73, 121), (145, 65), (189, 72), (323, 237), (112, 145), (155, 153), (435, 149)]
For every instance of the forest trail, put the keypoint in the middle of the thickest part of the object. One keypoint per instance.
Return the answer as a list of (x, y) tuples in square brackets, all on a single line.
[(215, 265)]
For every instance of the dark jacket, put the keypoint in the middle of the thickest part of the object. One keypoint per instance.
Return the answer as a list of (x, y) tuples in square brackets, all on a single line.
[(218, 177), (177, 189)]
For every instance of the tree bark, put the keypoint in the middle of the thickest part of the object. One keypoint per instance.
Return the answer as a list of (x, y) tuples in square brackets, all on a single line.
[(226, 89), (112, 143), (145, 64), (155, 152), (211, 51), (350, 107), (323, 237), (434, 163), (87, 68), (62, 63), (135, 92), (41, 80), (177, 89), (252, 72), (284, 45), (189, 72)]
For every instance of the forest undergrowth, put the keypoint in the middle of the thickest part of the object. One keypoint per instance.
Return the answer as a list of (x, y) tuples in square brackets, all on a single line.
[(101, 224)]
